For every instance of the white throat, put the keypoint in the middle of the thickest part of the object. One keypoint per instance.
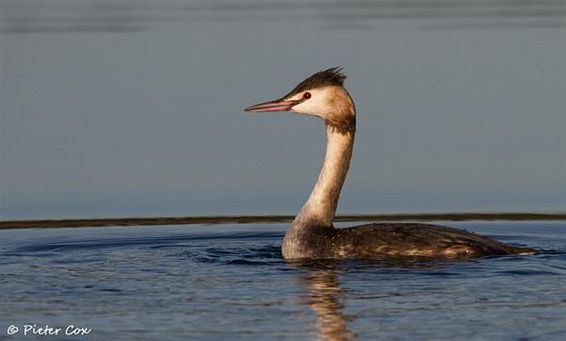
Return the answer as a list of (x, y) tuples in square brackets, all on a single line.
[(320, 208)]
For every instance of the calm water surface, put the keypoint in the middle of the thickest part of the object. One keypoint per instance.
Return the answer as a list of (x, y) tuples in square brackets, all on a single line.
[(230, 282), (125, 108)]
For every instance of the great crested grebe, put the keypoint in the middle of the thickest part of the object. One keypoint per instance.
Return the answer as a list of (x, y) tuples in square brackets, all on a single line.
[(312, 234)]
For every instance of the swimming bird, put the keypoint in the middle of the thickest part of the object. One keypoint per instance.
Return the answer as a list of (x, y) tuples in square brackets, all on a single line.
[(312, 233)]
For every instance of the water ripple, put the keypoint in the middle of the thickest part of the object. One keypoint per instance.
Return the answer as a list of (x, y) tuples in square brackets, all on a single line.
[(150, 282)]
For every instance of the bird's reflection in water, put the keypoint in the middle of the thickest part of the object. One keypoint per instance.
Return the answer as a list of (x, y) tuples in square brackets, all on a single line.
[(323, 297), (324, 293)]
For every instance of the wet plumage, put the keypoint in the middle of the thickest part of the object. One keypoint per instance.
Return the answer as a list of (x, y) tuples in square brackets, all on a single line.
[(395, 240)]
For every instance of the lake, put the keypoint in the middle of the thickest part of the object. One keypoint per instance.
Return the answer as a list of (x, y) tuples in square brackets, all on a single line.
[(134, 108), (225, 282)]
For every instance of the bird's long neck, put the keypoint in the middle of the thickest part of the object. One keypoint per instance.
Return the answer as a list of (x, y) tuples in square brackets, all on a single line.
[(320, 208)]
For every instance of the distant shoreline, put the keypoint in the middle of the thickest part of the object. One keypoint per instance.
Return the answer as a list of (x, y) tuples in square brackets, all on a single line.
[(151, 221)]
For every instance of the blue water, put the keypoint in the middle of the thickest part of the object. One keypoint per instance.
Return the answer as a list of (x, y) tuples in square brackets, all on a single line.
[(220, 282)]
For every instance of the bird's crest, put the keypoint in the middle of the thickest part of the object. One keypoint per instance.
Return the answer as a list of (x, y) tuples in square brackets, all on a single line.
[(329, 77)]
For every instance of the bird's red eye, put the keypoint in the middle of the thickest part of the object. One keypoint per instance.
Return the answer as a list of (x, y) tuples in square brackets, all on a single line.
[(307, 95)]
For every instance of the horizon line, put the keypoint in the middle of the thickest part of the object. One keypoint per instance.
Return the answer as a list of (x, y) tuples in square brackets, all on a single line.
[(248, 219)]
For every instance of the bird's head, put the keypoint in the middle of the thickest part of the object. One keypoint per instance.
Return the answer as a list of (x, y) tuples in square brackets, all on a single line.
[(323, 95)]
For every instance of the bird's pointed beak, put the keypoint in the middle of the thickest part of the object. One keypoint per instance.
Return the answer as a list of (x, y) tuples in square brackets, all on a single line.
[(277, 105)]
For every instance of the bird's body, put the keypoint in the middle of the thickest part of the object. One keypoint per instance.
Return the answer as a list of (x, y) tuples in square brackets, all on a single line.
[(312, 234), (391, 240)]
